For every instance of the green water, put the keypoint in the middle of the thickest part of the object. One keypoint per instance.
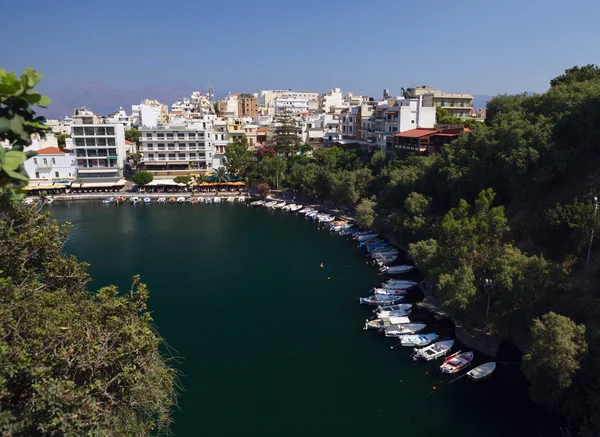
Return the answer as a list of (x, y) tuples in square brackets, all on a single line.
[(268, 345)]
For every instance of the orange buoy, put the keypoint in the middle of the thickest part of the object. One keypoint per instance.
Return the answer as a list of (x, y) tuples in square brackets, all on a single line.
[(321, 265)]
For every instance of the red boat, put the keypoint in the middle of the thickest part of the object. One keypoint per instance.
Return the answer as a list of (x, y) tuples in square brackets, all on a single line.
[(456, 362)]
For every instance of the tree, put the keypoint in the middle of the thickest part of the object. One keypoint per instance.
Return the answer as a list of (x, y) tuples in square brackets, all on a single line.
[(285, 138), (142, 178), (62, 140), (135, 157), (365, 213), (72, 361), (263, 190), (18, 122), (577, 74), (133, 135), (186, 179), (556, 353), (271, 169), (237, 156), (221, 175)]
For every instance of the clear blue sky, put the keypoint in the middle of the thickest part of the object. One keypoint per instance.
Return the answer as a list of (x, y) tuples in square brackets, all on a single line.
[(482, 47)]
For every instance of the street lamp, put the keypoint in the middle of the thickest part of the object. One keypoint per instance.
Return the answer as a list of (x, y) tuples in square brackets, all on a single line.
[(592, 235), (488, 284)]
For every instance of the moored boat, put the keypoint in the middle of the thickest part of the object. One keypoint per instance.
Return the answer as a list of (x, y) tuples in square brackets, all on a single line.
[(257, 203), (456, 362), (147, 200), (388, 292), (398, 307), (109, 201), (380, 300), (418, 340), (482, 372), (135, 200), (396, 270), (382, 322), (181, 199), (216, 199), (434, 350), (161, 200), (400, 330), (398, 284)]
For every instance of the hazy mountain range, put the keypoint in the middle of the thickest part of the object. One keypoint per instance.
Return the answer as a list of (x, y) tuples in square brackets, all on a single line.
[(104, 99)]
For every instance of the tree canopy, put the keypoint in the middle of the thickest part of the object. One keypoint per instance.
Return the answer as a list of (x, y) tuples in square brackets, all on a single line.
[(142, 178)]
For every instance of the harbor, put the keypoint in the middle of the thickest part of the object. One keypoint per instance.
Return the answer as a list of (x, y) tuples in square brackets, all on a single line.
[(295, 326)]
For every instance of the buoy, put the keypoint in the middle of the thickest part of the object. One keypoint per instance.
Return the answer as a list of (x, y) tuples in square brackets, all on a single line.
[(329, 278), (321, 265), (367, 263), (426, 373), (434, 387)]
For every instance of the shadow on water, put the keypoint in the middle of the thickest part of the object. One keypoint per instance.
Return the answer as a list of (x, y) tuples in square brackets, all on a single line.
[(272, 344)]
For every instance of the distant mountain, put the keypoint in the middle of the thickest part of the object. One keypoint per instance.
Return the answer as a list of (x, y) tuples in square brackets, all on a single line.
[(104, 99), (480, 100)]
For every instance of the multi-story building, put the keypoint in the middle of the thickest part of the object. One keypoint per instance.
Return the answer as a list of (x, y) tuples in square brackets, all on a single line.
[(184, 148), (349, 122), (332, 99), (247, 106), (149, 113), (290, 104), (98, 147), (458, 105), (51, 163), (119, 117)]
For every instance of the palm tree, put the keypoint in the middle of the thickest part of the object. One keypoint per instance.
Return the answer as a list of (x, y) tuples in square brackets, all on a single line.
[(221, 175)]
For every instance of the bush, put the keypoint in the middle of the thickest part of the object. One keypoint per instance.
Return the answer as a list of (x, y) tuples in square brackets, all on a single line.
[(264, 190), (142, 178)]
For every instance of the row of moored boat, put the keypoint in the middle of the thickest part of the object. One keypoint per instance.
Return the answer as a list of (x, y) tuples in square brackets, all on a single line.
[(137, 200)]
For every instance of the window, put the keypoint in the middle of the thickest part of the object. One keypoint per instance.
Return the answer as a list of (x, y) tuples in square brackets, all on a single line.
[(54, 161), (150, 146), (37, 174), (151, 155), (161, 156), (181, 136), (171, 156), (56, 174), (160, 136), (110, 130), (192, 156), (45, 161), (149, 136), (412, 121), (169, 136), (77, 131), (35, 161), (100, 131)]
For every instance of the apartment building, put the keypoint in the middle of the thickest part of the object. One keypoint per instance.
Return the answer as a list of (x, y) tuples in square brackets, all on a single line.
[(457, 104), (332, 99), (99, 147), (149, 113), (119, 117), (180, 148), (247, 106)]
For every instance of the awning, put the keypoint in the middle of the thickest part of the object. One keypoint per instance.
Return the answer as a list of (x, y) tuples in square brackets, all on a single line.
[(164, 182), (238, 183), (97, 170), (44, 187)]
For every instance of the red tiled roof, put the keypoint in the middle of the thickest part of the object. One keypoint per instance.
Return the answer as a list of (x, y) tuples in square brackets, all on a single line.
[(416, 133), (129, 142), (263, 129), (51, 151)]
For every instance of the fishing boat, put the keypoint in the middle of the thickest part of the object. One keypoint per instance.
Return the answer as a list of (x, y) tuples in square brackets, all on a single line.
[(399, 330), (119, 200), (366, 237), (481, 372), (382, 322), (398, 307), (147, 200), (388, 292), (270, 204), (188, 200), (278, 205), (434, 350), (181, 199), (296, 208), (194, 200), (231, 199), (135, 200), (396, 270), (48, 200), (109, 201), (216, 200), (418, 340), (380, 299), (208, 200), (161, 200), (399, 284), (306, 210), (456, 362), (397, 313)]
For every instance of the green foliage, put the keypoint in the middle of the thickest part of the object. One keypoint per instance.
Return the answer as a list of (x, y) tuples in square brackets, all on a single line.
[(135, 157), (271, 169), (73, 362), (133, 135), (18, 122), (285, 138), (221, 174), (186, 179), (577, 74), (62, 140), (238, 157), (365, 213), (555, 357), (443, 117), (142, 178)]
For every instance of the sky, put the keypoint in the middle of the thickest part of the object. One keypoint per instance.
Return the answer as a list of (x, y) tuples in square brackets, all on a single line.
[(479, 47)]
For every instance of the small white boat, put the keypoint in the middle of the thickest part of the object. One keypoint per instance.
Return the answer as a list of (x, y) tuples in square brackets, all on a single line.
[(278, 205), (434, 350), (208, 200), (188, 200), (270, 204), (161, 200), (287, 207), (257, 203), (382, 322), (217, 200), (398, 307), (418, 340), (147, 200), (398, 313), (181, 199), (306, 210), (388, 292), (48, 200), (457, 362), (135, 200), (109, 201), (241, 199), (396, 270), (398, 284), (231, 199), (380, 300), (366, 237), (399, 330), (296, 208), (482, 372)]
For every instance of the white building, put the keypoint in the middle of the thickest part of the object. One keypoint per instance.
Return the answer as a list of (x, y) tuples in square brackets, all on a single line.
[(149, 113), (178, 148), (98, 147), (120, 117), (290, 104), (332, 99), (51, 163)]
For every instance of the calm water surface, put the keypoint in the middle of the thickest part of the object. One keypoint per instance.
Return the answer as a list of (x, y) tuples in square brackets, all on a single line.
[(269, 345)]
